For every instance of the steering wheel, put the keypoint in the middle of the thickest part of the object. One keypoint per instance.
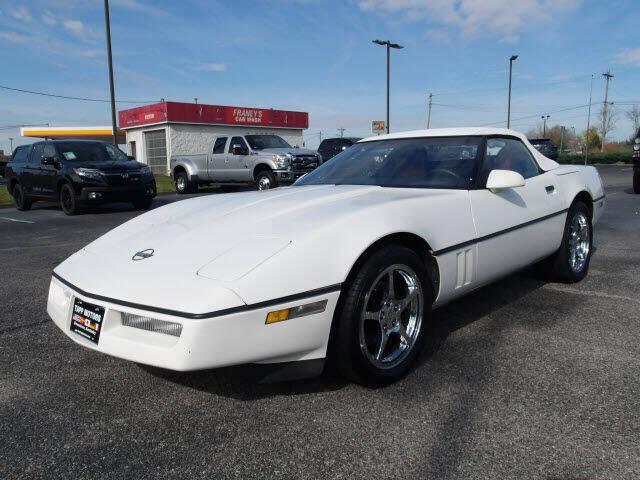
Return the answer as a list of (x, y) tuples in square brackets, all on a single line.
[(446, 172)]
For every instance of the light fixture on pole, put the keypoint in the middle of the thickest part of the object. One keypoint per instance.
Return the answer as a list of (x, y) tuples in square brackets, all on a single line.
[(511, 60), (544, 127), (389, 46), (10, 145), (107, 22)]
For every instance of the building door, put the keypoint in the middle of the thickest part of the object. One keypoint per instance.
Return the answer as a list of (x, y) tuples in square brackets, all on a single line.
[(156, 147), (132, 149)]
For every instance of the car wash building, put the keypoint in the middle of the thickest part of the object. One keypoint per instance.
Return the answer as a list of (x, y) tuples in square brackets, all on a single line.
[(154, 133)]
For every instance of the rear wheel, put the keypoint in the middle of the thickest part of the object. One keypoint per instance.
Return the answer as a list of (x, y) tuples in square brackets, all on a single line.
[(22, 202), (68, 200), (636, 182), (570, 263), (380, 326), (265, 180)]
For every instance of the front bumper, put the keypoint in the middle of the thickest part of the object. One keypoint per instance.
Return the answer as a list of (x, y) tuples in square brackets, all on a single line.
[(289, 176), (91, 194), (233, 339)]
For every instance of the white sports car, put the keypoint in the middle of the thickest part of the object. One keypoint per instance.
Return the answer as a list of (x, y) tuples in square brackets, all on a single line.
[(346, 263)]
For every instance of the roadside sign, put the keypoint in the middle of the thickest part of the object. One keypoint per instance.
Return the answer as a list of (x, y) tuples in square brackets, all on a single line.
[(378, 127)]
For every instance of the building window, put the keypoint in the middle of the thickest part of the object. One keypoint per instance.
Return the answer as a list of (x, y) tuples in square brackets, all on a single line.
[(156, 143), (132, 149)]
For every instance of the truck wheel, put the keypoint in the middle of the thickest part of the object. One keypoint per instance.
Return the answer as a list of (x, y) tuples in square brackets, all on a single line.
[(636, 182), (68, 200), (265, 180), (22, 202), (381, 325), (184, 185)]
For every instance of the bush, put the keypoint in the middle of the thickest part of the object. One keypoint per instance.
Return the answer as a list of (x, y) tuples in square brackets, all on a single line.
[(597, 157)]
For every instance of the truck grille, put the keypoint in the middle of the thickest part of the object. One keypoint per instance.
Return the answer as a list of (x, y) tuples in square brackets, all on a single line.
[(118, 179), (304, 162)]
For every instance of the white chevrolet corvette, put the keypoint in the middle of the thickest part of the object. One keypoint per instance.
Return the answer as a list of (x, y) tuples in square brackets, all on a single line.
[(348, 262)]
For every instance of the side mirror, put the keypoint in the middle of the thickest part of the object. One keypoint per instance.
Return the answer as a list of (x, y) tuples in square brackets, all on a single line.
[(501, 179), (239, 150), (48, 161)]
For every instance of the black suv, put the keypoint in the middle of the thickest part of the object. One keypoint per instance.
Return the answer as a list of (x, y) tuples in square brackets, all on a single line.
[(636, 163), (330, 147), (77, 173), (546, 147)]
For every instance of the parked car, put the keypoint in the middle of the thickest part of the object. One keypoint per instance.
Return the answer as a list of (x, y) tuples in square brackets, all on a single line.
[(3, 164), (546, 147), (636, 164), (330, 147), (77, 173), (348, 262), (264, 160)]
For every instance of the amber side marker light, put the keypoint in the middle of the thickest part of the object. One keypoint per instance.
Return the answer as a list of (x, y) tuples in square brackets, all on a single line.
[(296, 312)]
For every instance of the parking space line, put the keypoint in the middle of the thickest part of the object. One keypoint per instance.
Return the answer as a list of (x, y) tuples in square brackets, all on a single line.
[(16, 220)]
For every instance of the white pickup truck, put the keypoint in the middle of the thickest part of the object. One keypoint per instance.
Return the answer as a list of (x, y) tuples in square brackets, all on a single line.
[(263, 160)]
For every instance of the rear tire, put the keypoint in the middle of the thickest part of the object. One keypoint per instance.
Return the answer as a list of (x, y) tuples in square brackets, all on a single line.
[(22, 202), (265, 180), (380, 329), (570, 263), (184, 185), (636, 182), (68, 200)]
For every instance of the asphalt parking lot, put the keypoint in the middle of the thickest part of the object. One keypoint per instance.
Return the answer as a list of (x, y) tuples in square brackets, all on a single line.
[(524, 379)]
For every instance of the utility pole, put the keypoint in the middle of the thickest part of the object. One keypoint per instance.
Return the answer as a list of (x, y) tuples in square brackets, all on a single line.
[(429, 113), (561, 138), (320, 135), (107, 22), (511, 60), (10, 145), (341, 131), (544, 127), (389, 46), (586, 136), (607, 76)]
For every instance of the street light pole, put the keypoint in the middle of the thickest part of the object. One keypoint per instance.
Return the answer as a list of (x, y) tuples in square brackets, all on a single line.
[(10, 145), (110, 60), (511, 60), (389, 46), (586, 135), (544, 127)]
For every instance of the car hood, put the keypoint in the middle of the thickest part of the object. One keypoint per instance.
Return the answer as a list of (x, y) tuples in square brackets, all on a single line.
[(208, 245), (113, 166), (284, 151)]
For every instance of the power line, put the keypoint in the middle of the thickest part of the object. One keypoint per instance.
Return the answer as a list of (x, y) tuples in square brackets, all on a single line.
[(67, 97)]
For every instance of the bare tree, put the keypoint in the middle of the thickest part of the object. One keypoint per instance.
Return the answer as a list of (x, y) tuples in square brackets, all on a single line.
[(608, 117), (633, 114)]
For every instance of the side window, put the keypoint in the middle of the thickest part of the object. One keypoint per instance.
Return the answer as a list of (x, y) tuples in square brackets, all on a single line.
[(509, 154), (218, 147), (237, 141), (49, 150), (21, 154), (36, 154)]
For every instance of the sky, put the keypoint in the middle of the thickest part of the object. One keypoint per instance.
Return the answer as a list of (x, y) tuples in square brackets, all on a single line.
[(318, 56)]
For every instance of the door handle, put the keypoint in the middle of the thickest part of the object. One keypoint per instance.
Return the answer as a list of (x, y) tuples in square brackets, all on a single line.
[(550, 188)]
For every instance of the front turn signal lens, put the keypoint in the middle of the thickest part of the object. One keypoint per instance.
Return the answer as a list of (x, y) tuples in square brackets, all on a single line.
[(295, 312)]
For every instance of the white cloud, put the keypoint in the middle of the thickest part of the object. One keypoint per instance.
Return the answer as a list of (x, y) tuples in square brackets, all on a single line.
[(21, 13), (138, 6), (474, 18), (15, 37), (74, 26), (48, 18), (211, 67), (629, 56)]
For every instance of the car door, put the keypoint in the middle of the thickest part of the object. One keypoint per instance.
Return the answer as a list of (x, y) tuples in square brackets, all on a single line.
[(217, 160), (32, 179), (49, 173), (237, 166), (515, 226)]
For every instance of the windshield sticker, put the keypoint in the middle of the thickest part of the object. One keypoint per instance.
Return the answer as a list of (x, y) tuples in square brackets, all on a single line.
[(70, 155)]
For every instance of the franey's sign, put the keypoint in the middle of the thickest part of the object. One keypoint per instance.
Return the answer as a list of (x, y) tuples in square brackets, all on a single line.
[(211, 114), (378, 126)]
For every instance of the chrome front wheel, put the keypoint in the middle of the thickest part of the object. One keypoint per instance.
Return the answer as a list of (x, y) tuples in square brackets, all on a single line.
[(579, 241)]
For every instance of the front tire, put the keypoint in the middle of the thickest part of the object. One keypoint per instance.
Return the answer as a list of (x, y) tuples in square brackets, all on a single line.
[(68, 200), (636, 182), (265, 180), (184, 185), (22, 202), (570, 263), (381, 323)]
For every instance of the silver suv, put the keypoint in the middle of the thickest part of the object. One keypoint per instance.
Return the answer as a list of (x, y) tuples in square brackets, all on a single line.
[(263, 160)]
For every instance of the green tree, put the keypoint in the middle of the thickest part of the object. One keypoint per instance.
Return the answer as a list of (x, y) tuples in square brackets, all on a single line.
[(593, 140)]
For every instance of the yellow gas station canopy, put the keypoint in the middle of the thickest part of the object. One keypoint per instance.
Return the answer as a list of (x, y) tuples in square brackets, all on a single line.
[(82, 133)]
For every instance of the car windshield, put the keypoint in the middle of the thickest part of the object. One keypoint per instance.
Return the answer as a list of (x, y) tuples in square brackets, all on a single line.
[(445, 162), (260, 142), (90, 152)]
